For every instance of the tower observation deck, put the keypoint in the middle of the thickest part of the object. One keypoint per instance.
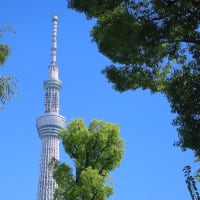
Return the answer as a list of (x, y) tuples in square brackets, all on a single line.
[(50, 123)]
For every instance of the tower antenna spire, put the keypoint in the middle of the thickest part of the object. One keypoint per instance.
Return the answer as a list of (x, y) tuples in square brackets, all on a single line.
[(54, 39)]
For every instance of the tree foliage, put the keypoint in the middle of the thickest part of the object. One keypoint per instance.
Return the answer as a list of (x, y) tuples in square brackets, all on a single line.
[(153, 45), (7, 88), (7, 83), (4, 52), (191, 183), (183, 94), (96, 151)]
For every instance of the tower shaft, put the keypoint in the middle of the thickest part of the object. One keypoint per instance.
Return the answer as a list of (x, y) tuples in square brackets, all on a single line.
[(47, 185), (49, 124)]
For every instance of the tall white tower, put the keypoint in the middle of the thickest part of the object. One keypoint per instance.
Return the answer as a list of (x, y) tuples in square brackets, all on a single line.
[(49, 124)]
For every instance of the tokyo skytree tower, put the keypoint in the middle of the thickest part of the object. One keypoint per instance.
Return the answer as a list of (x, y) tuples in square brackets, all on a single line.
[(50, 123)]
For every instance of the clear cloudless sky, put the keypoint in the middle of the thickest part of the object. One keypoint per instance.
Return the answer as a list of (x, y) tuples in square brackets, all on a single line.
[(151, 167)]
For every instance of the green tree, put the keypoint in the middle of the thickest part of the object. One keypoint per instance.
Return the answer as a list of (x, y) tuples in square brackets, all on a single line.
[(7, 83), (153, 45), (96, 151)]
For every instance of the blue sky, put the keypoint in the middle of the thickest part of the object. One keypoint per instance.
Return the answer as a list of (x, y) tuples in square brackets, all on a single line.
[(151, 167)]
